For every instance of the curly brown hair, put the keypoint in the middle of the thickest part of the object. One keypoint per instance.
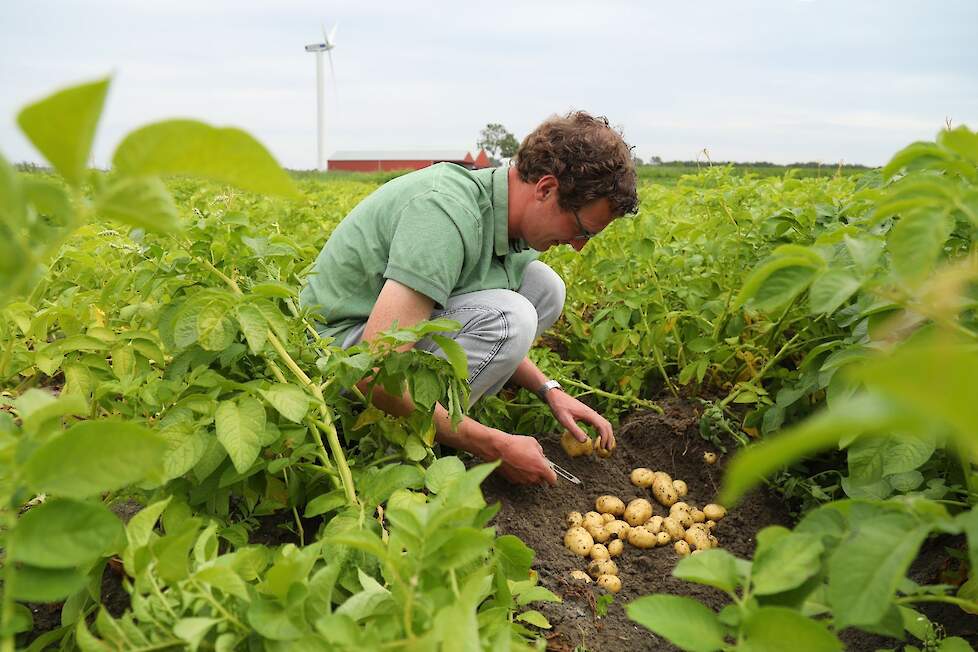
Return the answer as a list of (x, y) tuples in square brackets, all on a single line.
[(589, 158)]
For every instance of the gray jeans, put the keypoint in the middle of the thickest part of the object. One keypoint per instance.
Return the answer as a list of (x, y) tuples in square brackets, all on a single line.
[(498, 326)]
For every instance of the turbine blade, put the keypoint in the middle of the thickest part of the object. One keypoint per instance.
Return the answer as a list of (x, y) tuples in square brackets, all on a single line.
[(331, 41), (332, 73)]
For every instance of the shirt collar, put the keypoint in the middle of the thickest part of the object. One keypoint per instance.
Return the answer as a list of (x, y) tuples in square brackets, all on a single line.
[(502, 244)]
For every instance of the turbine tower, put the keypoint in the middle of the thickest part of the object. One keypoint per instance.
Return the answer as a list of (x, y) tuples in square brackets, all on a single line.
[(328, 44)]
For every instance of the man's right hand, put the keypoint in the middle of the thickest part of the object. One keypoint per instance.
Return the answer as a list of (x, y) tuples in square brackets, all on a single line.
[(523, 461)]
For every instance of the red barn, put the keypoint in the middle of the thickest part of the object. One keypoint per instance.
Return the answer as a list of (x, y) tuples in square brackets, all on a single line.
[(383, 161)]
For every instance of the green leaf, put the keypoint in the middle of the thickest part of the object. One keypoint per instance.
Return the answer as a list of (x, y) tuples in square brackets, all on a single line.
[(969, 523), (216, 328), (916, 242), (684, 621), (464, 546), (64, 533), (193, 630), (138, 201), (62, 127), (786, 563), (776, 282), (275, 621), (289, 400), (225, 579), (186, 443), (253, 326), (865, 251), (33, 584), (714, 567), (194, 148), (239, 429), (954, 644), (378, 487), (443, 472), (534, 618), (48, 197), (866, 568), (831, 289), (961, 140), (104, 456), (851, 416), (514, 556), (455, 355), (872, 458), (325, 503), (774, 629), (140, 527)]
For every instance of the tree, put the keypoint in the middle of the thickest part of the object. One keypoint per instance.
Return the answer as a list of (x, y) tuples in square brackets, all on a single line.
[(498, 142)]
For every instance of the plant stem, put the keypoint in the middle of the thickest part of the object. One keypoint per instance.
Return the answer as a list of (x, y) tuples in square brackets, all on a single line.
[(618, 397), (949, 599)]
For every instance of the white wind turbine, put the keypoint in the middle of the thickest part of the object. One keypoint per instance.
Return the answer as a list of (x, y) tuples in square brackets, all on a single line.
[(329, 42)]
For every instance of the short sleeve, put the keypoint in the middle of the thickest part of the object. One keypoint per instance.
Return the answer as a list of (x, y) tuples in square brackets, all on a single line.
[(427, 250)]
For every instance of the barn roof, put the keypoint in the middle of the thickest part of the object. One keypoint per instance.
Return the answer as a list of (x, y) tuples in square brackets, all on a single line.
[(402, 155)]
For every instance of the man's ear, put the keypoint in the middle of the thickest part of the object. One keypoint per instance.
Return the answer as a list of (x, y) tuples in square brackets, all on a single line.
[(545, 186)]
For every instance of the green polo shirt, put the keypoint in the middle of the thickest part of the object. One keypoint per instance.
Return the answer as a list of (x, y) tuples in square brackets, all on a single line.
[(442, 231)]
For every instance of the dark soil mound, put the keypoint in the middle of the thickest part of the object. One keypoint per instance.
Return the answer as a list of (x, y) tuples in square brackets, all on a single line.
[(669, 442)]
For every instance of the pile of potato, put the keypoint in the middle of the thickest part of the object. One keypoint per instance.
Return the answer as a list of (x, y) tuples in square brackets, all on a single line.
[(601, 534)]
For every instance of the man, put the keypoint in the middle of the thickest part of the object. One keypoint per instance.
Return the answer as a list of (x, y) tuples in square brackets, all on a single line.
[(449, 242)]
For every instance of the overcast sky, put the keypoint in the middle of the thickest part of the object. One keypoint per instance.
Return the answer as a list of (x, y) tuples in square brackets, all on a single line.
[(777, 80)]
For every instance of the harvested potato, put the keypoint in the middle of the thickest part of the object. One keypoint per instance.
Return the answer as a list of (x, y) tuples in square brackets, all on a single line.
[(610, 505), (580, 576), (638, 512), (593, 519), (673, 527), (600, 534), (579, 541), (679, 505), (711, 524), (714, 512), (599, 552), (615, 547), (662, 538), (575, 519), (654, 524), (618, 529), (680, 487), (641, 538), (610, 583), (601, 451), (602, 567), (682, 548), (642, 477), (682, 516), (698, 538), (698, 515), (663, 490), (710, 458), (607, 518), (575, 448), (714, 542)]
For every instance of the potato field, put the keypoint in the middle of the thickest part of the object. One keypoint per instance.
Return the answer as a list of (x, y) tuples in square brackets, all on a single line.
[(791, 365)]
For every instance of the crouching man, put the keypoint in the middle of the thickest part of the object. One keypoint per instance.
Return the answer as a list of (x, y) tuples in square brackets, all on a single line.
[(447, 242)]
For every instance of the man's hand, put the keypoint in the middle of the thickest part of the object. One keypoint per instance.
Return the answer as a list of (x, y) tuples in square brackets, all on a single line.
[(523, 461), (568, 411)]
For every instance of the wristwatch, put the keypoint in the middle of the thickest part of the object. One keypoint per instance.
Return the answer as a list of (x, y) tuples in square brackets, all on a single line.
[(546, 387)]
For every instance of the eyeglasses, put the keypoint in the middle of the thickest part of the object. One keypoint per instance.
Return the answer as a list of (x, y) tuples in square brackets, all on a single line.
[(585, 234)]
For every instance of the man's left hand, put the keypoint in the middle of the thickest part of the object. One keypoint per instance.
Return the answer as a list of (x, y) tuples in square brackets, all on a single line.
[(568, 411)]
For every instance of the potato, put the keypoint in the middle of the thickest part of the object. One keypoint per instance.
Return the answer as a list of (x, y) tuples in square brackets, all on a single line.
[(673, 527), (679, 505), (610, 583), (698, 515), (698, 538), (575, 448), (599, 552), (680, 487), (642, 477), (580, 576), (593, 519), (618, 529), (714, 542), (682, 517), (579, 541), (607, 518), (602, 567), (710, 458), (599, 534), (574, 519), (710, 525), (641, 538), (663, 490), (662, 538), (603, 452), (615, 547), (682, 548), (610, 505), (638, 512), (714, 512), (654, 524)]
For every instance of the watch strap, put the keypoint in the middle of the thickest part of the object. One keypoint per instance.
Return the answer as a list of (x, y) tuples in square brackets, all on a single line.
[(546, 387)]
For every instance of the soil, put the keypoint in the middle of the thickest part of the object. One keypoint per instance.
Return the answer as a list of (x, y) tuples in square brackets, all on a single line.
[(669, 442)]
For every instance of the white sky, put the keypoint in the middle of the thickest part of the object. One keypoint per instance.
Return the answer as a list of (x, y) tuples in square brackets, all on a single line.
[(777, 80)]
